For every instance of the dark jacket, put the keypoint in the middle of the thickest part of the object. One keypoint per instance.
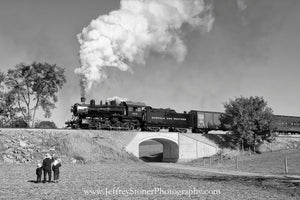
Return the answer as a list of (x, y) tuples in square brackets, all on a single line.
[(39, 171), (47, 164), (56, 167)]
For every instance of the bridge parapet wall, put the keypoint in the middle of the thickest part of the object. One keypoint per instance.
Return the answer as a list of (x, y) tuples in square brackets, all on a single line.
[(193, 146)]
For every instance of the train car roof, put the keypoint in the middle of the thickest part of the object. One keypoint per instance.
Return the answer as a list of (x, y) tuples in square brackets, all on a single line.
[(224, 113), (131, 103), (207, 111), (287, 116)]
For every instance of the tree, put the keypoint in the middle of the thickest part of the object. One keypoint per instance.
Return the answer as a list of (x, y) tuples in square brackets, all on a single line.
[(34, 86), (250, 121), (8, 110), (45, 125), (2, 100)]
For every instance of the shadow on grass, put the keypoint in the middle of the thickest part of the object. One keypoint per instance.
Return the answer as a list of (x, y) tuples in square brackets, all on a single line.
[(153, 158), (34, 181), (223, 141)]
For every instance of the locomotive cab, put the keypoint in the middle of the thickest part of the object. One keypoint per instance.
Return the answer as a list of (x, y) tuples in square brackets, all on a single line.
[(134, 109)]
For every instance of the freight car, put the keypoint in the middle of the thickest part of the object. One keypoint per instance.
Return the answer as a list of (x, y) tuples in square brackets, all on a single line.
[(204, 121)]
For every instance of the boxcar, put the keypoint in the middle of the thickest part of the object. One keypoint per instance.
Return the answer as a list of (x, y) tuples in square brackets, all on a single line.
[(204, 121)]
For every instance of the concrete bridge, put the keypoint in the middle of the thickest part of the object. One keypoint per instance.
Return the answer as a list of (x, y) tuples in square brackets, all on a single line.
[(177, 147)]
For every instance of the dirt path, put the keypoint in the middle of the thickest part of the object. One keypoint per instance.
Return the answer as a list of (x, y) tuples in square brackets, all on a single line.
[(219, 171)]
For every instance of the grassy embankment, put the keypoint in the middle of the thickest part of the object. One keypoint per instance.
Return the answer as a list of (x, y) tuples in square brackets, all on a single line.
[(266, 163), (271, 160), (84, 146)]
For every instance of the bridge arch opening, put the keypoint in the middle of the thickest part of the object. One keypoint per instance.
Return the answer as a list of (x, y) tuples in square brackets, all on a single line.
[(158, 150)]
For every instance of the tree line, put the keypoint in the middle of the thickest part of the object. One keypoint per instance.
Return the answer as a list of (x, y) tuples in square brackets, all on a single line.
[(27, 88)]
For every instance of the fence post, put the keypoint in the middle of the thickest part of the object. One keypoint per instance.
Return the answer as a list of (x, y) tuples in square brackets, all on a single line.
[(286, 165), (236, 162)]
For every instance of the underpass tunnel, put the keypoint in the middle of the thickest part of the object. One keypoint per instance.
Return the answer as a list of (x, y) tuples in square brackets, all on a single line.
[(159, 150)]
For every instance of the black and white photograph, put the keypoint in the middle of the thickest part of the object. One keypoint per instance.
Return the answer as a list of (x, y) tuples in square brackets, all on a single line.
[(150, 99)]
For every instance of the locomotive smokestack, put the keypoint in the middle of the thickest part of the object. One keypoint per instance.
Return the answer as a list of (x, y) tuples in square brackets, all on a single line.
[(82, 100)]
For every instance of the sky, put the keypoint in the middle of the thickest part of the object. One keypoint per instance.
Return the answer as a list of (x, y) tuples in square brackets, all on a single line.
[(252, 49)]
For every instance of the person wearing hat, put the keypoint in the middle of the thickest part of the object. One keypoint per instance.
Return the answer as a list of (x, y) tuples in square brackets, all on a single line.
[(47, 167), (39, 171)]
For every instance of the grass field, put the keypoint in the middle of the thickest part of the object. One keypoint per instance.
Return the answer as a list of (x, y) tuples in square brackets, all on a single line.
[(137, 181), (111, 173), (267, 163)]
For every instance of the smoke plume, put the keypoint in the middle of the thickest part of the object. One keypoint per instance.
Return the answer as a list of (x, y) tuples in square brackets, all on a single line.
[(127, 36), (242, 5), (117, 99)]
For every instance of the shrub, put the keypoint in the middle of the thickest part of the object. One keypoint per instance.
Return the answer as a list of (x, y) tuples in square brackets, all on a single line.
[(45, 125)]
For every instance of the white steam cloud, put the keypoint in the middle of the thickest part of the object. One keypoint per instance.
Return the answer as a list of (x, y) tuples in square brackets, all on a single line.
[(139, 27), (117, 99), (242, 5)]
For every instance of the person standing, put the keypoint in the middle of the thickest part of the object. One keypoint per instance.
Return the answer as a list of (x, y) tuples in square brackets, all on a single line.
[(47, 165), (38, 172), (55, 167)]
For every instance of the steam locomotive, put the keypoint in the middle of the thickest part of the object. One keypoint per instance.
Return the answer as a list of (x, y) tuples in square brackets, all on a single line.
[(128, 115)]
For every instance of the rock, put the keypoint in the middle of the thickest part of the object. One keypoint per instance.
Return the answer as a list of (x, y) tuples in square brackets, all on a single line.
[(9, 150), (18, 157), (264, 147), (8, 141), (23, 143), (52, 149), (13, 141), (9, 156), (44, 151), (7, 160)]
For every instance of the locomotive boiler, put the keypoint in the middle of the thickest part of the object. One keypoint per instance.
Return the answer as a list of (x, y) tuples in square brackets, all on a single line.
[(125, 115)]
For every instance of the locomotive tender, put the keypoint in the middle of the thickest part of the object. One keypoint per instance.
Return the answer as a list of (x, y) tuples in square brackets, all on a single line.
[(128, 115)]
